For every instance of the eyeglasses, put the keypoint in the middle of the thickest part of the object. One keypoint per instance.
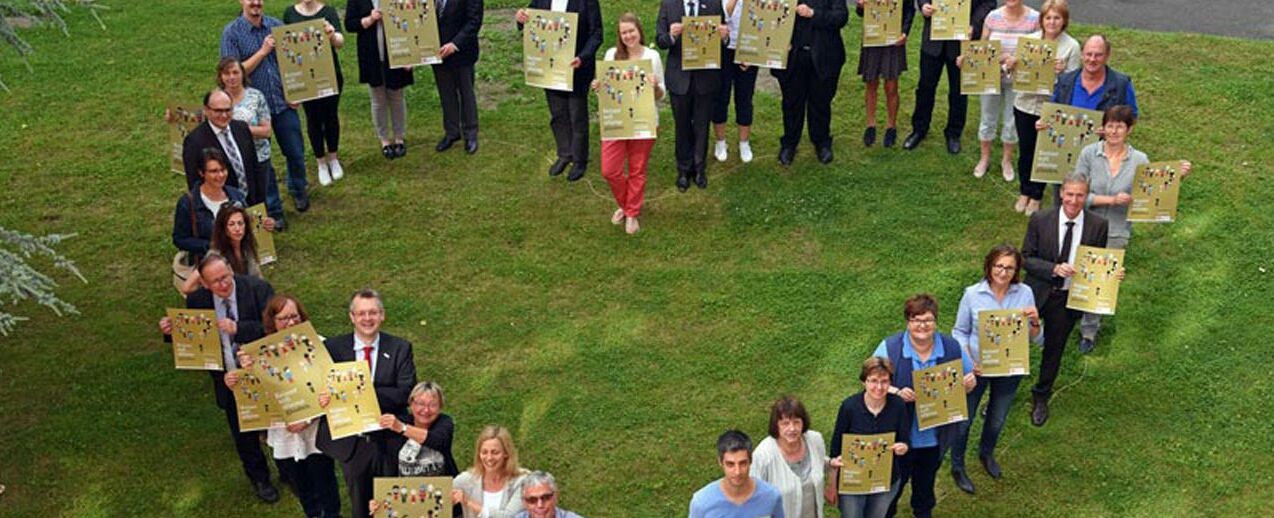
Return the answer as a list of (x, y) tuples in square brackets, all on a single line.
[(1002, 268), (232, 204), (222, 111), (532, 499), (369, 313), (224, 279), (922, 322), (294, 317)]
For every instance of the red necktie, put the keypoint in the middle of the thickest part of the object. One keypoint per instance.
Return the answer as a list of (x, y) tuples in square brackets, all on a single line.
[(367, 354)]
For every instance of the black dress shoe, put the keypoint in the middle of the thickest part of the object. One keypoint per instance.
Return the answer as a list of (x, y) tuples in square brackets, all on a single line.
[(388, 151), (953, 145), (577, 172), (400, 150), (558, 167), (869, 136), (786, 155), (1086, 345), (701, 179), (825, 155), (302, 202), (891, 136), (683, 181), (962, 481), (446, 143), (1039, 414), (992, 467), (913, 140), (266, 491), (471, 145)]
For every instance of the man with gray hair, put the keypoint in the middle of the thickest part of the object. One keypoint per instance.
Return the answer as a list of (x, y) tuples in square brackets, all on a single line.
[(539, 496)]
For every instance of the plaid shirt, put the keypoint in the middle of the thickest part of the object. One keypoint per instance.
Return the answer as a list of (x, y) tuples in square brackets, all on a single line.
[(240, 40)]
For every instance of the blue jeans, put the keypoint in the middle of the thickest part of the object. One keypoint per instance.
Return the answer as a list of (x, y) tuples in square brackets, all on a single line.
[(1003, 390), (287, 132), (867, 506), (273, 202)]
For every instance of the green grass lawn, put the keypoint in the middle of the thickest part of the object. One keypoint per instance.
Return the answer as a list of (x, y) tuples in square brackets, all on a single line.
[(617, 360)]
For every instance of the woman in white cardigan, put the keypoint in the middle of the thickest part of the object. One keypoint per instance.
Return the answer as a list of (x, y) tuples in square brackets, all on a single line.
[(792, 459), (492, 488)]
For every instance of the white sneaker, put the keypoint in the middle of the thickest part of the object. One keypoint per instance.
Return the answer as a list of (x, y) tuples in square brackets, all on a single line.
[(325, 178), (335, 167), (721, 152), (745, 151)]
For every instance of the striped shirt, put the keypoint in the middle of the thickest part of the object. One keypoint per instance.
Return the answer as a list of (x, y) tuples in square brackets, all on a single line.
[(240, 40), (1006, 32)]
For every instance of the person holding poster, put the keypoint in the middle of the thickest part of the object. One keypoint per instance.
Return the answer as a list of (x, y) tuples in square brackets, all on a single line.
[(492, 487), (322, 117), (197, 210), (738, 494), (935, 55), (1005, 25), (1052, 239), (296, 454), (739, 78), (809, 82), (569, 110), (385, 84), (889, 63), (458, 24), (1054, 19), (693, 91), (240, 302), (1000, 288), (871, 411), (232, 238), (630, 190), (792, 459), (233, 138), (1110, 166), (392, 364), (921, 346), (421, 444)]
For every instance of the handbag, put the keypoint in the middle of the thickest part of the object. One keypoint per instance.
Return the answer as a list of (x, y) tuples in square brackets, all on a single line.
[(184, 261)]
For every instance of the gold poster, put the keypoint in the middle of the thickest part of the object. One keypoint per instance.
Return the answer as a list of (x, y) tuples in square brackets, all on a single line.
[(1154, 192), (980, 72), (1002, 343), (184, 119), (1095, 285), (940, 395), (765, 33), (950, 20), (353, 408), (266, 253), (548, 47), (1067, 130), (700, 43), (868, 463), (306, 64), (626, 100), (257, 407), (292, 365), (196, 339), (882, 22), (412, 497), (1036, 69), (411, 32)]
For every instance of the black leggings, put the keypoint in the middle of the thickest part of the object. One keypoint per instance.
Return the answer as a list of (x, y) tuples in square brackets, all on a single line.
[(1026, 136), (323, 124)]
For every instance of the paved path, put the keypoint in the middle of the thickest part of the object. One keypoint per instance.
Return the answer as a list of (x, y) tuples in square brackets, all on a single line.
[(1239, 18)]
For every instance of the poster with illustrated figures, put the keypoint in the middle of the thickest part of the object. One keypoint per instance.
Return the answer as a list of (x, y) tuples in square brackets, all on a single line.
[(411, 32), (266, 253), (765, 33), (626, 100), (353, 408), (1155, 189), (306, 64), (196, 339), (257, 408), (1067, 130), (868, 463), (950, 20), (412, 497), (1095, 285), (940, 395), (184, 118), (292, 365), (1036, 69), (700, 43), (548, 47), (980, 71), (1003, 335), (882, 22)]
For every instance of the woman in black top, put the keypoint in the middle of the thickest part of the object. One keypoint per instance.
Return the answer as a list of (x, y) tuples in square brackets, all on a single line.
[(872, 411), (385, 84), (322, 120), (422, 446)]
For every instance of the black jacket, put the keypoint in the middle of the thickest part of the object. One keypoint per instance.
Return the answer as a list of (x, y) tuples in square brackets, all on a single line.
[(587, 41), (827, 49), (678, 81), (393, 380), (203, 137), (250, 296)]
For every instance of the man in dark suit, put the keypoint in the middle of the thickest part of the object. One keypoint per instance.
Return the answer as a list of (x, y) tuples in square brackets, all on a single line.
[(809, 82), (1052, 238), (239, 301), (393, 370), (569, 110), (934, 56), (219, 131), (458, 24), (693, 92)]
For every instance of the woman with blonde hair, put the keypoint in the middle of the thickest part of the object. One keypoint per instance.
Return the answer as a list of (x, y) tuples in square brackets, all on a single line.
[(492, 488)]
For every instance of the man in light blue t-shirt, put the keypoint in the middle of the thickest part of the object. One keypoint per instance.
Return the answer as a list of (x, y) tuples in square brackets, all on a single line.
[(737, 494)]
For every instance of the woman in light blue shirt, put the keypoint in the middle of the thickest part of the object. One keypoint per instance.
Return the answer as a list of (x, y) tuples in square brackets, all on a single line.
[(1000, 288)]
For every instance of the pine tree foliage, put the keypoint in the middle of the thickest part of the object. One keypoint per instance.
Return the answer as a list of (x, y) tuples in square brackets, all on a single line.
[(17, 14), (19, 281)]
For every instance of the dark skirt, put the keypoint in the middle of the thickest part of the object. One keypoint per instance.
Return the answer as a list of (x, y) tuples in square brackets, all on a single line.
[(882, 62)]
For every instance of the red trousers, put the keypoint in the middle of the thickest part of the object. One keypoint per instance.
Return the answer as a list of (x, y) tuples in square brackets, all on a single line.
[(629, 191)]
